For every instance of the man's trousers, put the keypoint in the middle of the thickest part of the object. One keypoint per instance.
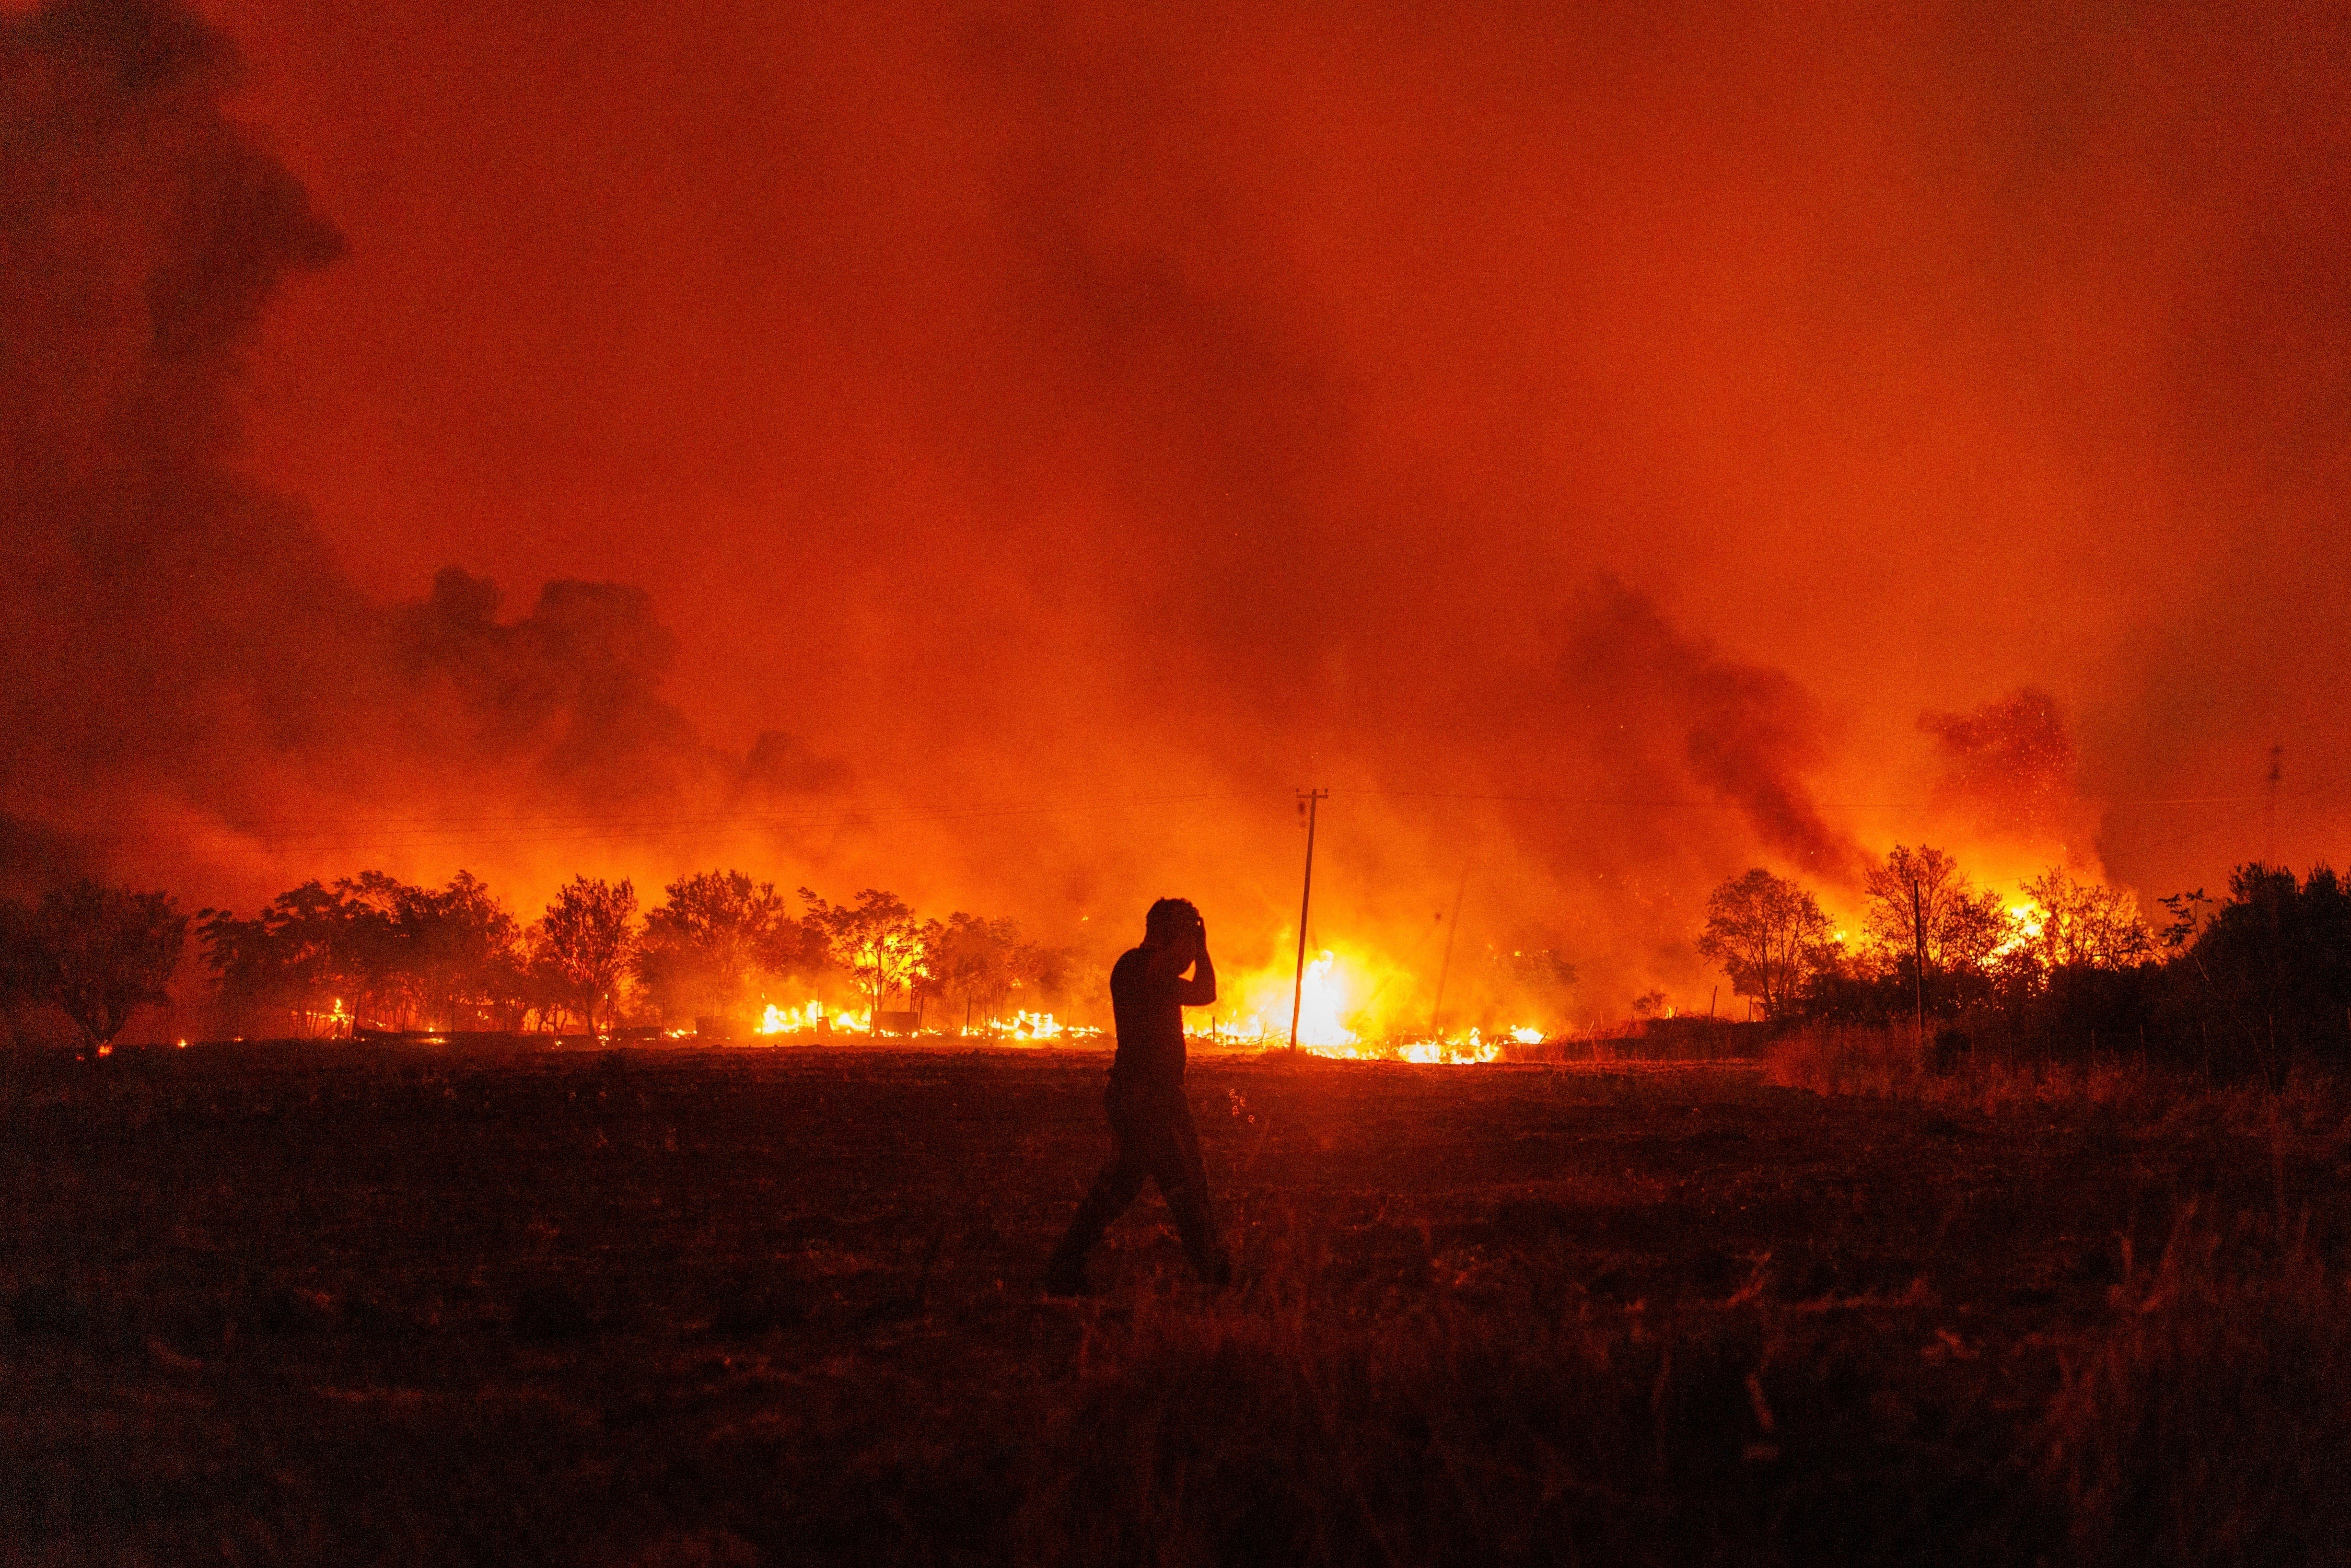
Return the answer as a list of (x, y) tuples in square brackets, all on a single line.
[(1151, 1136)]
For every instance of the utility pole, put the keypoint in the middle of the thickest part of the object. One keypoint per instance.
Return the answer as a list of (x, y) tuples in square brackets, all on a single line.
[(1437, 1007), (1308, 801), (2277, 771), (1918, 970)]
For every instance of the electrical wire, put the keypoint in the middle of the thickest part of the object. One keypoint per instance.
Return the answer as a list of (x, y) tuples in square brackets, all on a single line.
[(1719, 805), (2318, 791), (325, 834), (493, 833)]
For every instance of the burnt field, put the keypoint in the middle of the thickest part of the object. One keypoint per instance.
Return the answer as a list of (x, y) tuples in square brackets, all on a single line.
[(279, 1303)]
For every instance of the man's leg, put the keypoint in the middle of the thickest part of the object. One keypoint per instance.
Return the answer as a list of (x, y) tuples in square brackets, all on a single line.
[(1183, 1181), (1114, 1188)]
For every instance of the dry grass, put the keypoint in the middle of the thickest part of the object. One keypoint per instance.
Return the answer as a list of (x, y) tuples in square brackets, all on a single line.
[(2210, 1422), (2207, 1419), (773, 1307), (1890, 1062)]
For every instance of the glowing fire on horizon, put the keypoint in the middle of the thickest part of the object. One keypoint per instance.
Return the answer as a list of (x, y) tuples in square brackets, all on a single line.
[(1336, 1018), (1330, 1003), (813, 1019), (2025, 922)]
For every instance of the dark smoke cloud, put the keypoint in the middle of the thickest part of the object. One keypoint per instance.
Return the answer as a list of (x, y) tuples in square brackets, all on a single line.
[(1668, 715), (567, 702), (177, 645)]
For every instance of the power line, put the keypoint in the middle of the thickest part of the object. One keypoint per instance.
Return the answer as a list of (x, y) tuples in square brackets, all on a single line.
[(323, 834), (493, 832), (1660, 802), (297, 828), (2318, 791)]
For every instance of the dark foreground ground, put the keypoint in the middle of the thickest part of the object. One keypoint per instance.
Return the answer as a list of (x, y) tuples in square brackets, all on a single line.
[(278, 1305)]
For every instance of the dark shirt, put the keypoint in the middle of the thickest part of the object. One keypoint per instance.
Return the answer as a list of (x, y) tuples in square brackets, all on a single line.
[(1147, 999)]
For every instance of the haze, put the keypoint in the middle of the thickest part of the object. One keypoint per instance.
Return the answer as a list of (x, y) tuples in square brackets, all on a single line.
[(1587, 439)]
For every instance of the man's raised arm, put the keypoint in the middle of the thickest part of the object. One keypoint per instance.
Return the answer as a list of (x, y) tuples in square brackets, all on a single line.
[(1201, 988)]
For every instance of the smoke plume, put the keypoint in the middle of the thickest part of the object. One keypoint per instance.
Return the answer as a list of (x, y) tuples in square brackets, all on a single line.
[(187, 666), (1040, 439)]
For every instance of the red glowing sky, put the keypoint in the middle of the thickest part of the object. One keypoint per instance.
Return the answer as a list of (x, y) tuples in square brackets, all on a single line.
[(1037, 403)]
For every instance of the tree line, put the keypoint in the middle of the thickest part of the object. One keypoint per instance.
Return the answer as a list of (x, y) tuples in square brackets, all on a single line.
[(2254, 981), (374, 952), (405, 957)]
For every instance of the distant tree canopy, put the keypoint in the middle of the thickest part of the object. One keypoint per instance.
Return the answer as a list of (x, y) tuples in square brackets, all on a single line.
[(1919, 903), (586, 943), (877, 939), (982, 961), (2267, 979), (715, 934), (1769, 937), (2081, 925), (460, 952), (2250, 984), (296, 961), (96, 952), (371, 950), (2253, 983)]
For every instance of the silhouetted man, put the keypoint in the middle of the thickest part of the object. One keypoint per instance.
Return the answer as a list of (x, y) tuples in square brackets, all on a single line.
[(1150, 1121)]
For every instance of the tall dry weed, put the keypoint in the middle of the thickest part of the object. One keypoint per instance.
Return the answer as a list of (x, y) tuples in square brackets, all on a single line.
[(1844, 1059), (1515, 1418), (2210, 1422), (1893, 1063)]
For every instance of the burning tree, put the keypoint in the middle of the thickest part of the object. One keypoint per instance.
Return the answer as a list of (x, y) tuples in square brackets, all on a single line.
[(715, 933), (372, 947), (1926, 918), (1769, 937), (587, 940), (100, 954), (298, 954), (877, 939), (982, 961), (2078, 925)]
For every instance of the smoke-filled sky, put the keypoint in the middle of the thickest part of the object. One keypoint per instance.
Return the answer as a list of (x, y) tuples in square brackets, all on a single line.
[(1609, 446)]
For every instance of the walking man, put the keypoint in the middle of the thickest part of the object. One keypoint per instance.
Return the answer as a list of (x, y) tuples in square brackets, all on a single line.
[(1150, 1121)]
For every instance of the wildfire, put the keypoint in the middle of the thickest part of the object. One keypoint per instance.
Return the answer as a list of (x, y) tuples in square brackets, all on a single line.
[(337, 1023), (1449, 1053), (1321, 996), (813, 1018), (1330, 1022), (1337, 1017), (2024, 924), (792, 1021)]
